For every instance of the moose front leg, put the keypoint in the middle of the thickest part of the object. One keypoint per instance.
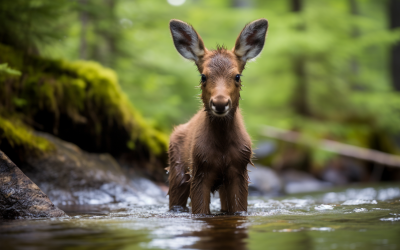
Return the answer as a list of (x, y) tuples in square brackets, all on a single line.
[(179, 186), (200, 191), (236, 189), (200, 188)]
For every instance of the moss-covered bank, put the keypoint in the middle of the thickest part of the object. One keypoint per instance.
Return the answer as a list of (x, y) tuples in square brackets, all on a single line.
[(80, 102)]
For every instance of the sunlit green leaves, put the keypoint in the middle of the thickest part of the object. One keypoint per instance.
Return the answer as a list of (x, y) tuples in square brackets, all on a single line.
[(4, 69)]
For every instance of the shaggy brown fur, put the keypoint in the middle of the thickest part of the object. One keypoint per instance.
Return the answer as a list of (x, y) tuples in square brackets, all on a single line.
[(211, 152)]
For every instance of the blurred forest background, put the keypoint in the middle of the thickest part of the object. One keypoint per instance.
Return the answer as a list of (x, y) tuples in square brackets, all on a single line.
[(330, 69)]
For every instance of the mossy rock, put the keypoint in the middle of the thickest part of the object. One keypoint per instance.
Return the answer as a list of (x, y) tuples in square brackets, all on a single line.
[(19, 135), (80, 102)]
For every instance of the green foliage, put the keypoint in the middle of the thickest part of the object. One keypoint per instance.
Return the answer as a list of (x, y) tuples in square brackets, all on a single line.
[(344, 83), (27, 24), (153, 71), (4, 69)]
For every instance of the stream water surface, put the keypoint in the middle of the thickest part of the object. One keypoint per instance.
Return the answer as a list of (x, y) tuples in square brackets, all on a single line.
[(359, 217)]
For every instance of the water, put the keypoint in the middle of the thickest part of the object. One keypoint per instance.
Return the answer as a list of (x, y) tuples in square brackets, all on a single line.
[(351, 218)]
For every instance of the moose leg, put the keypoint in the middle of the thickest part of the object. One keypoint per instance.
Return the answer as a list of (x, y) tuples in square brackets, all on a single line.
[(224, 199), (179, 186), (236, 186), (179, 189), (200, 194), (200, 189)]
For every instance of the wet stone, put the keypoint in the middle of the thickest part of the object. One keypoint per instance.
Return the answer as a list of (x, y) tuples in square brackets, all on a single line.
[(179, 209), (20, 197), (71, 176), (264, 181)]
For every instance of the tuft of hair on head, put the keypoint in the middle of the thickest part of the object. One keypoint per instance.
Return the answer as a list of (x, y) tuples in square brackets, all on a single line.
[(221, 48), (251, 39)]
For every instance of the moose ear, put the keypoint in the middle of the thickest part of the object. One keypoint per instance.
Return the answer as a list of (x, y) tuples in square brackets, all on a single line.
[(251, 40), (188, 43)]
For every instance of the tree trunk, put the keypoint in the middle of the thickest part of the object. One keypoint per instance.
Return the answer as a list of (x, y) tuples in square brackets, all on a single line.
[(355, 33), (111, 36), (300, 99), (296, 5), (241, 3), (83, 17), (394, 22), (107, 29)]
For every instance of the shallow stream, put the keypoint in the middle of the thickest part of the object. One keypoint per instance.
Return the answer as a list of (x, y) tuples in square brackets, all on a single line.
[(358, 217)]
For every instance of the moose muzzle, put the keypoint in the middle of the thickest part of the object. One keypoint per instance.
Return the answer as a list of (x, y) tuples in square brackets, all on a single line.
[(220, 105)]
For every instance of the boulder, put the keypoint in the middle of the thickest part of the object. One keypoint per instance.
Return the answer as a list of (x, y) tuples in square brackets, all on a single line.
[(71, 176), (264, 149), (344, 170), (20, 197), (298, 182), (264, 181)]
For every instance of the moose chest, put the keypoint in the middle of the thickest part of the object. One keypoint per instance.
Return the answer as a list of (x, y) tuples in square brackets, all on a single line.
[(214, 164), (217, 158)]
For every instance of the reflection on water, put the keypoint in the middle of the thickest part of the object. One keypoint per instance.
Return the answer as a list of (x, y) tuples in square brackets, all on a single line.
[(352, 218), (222, 233)]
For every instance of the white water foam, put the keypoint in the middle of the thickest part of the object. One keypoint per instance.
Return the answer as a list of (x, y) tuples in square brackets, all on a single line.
[(359, 202), (390, 219), (324, 207), (359, 210)]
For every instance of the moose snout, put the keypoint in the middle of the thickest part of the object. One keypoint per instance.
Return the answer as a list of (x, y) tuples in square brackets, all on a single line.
[(220, 106)]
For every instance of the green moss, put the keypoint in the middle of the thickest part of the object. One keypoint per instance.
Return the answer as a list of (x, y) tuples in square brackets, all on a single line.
[(105, 93), (19, 135), (83, 93)]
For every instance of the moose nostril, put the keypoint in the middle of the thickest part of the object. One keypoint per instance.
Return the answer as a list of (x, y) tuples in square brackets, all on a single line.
[(227, 107), (220, 107), (213, 106)]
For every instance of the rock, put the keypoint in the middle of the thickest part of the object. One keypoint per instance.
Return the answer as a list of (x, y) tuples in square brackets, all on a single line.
[(264, 181), (71, 176), (298, 182), (20, 197), (345, 170), (264, 149)]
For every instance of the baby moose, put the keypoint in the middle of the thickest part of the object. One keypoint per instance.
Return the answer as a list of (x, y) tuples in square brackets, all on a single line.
[(212, 150)]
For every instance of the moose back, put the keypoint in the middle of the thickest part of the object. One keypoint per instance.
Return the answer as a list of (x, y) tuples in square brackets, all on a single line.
[(211, 152)]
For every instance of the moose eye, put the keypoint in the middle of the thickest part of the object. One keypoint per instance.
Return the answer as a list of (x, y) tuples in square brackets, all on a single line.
[(203, 78), (237, 77)]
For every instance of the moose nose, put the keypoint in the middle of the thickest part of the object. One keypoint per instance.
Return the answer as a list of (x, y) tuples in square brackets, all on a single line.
[(220, 106)]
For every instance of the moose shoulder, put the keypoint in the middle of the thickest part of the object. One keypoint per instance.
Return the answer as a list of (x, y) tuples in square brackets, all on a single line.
[(212, 150)]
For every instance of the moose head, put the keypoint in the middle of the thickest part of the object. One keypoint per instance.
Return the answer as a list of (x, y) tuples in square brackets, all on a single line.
[(220, 69)]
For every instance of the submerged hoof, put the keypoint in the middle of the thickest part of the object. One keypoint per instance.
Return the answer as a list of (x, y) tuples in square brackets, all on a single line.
[(179, 209), (223, 212)]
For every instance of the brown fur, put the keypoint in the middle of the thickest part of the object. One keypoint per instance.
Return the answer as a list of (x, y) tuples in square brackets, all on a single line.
[(209, 152)]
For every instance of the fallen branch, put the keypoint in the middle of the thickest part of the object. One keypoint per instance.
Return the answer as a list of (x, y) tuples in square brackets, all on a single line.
[(333, 146)]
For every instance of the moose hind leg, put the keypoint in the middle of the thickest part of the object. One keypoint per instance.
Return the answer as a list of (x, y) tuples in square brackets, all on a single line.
[(179, 189), (224, 199), (179, 186)]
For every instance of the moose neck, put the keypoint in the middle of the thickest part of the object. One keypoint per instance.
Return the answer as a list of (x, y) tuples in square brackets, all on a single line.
[(221, 127)]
